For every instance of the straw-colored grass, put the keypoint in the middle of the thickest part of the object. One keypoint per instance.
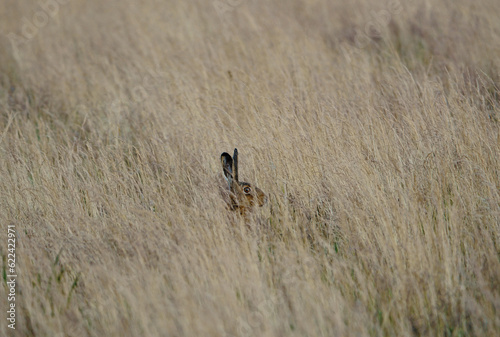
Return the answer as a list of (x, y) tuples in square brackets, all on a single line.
[(373, 126)]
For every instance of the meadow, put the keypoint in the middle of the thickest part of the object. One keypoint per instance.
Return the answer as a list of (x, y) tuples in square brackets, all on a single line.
[(372, 126)]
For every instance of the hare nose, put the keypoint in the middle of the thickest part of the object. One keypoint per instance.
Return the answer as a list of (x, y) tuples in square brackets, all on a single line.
[(264, 201)]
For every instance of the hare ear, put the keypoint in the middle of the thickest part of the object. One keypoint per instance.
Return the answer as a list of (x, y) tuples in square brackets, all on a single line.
[(235, 159), (227, 167)]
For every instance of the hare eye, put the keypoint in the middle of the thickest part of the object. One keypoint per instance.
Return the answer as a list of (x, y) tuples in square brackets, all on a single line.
[(247, 190)]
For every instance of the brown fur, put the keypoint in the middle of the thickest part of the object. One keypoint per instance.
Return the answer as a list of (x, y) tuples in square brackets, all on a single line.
[(239, 195)]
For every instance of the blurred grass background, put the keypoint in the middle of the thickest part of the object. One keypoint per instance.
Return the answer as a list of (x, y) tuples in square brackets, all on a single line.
[(371, 125)]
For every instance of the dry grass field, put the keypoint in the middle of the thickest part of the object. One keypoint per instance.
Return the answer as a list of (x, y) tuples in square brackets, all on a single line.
[(373, 127)]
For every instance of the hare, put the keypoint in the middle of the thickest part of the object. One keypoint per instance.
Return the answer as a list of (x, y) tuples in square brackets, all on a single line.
[(241, 196)]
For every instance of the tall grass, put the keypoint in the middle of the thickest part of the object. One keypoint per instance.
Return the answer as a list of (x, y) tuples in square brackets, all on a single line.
[(378, 148)]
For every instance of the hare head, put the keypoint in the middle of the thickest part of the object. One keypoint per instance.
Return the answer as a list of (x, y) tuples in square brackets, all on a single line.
[(242, 196)]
